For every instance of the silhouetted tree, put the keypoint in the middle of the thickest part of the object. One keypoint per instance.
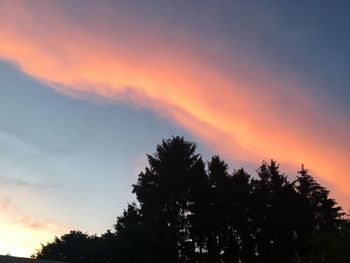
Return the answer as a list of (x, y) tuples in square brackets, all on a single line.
[(73, 247), (323, 214), (136, 241), (185, 213), (218, 224), (163, 191), (319, 215), (328, 246), (274, 215), (241, 226)]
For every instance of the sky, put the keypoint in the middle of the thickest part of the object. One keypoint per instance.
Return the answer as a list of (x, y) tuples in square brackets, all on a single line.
[(88, 88)]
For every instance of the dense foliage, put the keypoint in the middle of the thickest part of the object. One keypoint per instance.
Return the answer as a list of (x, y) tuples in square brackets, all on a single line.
[(190, 211)]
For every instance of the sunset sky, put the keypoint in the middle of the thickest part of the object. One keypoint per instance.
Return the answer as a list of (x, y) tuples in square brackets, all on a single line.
[(88, 88)]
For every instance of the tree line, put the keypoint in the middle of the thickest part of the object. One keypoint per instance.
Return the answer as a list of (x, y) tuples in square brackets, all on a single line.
[(191, 211)]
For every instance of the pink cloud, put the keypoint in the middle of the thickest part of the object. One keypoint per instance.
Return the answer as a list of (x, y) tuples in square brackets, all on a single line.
[(249, 114)]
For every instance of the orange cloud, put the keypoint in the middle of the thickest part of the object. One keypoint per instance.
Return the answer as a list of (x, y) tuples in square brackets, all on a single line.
[(249, 114)]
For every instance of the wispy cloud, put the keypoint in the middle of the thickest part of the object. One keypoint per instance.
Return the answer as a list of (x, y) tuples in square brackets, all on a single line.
[(22, 183)]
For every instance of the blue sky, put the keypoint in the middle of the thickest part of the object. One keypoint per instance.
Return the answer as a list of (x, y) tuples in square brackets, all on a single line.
[(83, 155)]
